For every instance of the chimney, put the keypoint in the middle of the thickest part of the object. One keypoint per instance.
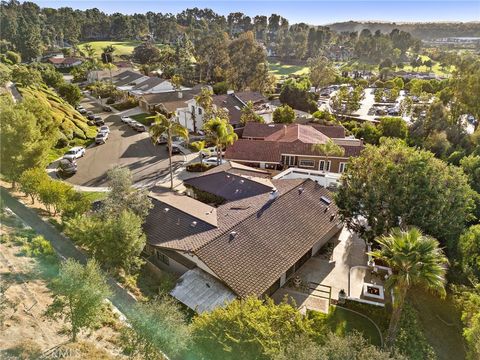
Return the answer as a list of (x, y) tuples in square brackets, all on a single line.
[(284, 129), (230, 92), (179, 94)]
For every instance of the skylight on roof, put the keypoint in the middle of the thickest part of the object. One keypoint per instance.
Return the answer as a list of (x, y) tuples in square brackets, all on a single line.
[(325, 200), (237, 107)]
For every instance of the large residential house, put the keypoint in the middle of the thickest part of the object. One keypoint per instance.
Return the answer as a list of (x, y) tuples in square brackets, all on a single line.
[(232, 103), (255, 237), (61, 62), (279, 146)]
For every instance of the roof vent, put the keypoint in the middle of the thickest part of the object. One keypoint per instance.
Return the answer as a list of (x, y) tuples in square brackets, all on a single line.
[(166, 210), (273, 194), (326, 209), (242, 181), (193, 224), (233, 235), (332, 217), (325, 200), (300, 190)]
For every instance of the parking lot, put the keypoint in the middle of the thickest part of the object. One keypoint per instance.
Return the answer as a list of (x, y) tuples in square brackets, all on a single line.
[(124, 147)]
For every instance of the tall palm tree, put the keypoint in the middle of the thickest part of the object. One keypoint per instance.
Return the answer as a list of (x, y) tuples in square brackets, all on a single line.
[(90, 51), (415, 259), (329, 148), (219, 132), (167, 125)]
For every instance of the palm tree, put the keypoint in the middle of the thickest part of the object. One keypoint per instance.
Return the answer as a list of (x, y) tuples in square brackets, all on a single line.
[(415, 259), (167, 125), (90, 51), (219, 132), (110, 67), (329, 148)]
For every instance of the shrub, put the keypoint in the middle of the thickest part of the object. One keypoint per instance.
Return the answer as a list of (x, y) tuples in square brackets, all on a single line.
[(198, 167), (39, 247), (220, 88)]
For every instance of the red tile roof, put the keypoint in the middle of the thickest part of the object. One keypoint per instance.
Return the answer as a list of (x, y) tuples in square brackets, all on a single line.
[(298, 132)]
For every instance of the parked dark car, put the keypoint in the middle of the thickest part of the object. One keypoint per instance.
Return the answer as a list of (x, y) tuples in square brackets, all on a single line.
[(98, 120), (175, 149), (90, 115), (107, 108), (67, 167)]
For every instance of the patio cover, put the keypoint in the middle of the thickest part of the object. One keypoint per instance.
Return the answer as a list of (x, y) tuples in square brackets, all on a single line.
[(201, 291)]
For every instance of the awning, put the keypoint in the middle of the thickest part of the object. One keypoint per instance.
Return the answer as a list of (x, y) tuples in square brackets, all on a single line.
[(201, 291)]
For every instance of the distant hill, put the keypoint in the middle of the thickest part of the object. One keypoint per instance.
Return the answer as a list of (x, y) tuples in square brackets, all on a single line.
[(419, 30)]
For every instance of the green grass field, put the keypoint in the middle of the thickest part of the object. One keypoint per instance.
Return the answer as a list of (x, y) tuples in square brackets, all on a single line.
[(121, 47), (342, 321), (142, 118), (278, 69)]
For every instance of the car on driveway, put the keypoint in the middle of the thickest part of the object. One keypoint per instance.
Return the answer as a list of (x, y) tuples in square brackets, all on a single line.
[(107, 108), (175, 149), (81, 109), (74, 153), (101, 137), (133, 123), (90, 115), (140, 127), (209, 151), (98, 120), (126, 119), (66, 167), (104, 128), (213, 160)]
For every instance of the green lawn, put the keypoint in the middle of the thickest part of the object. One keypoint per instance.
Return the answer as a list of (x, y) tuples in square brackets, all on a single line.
[(278, 69), (142, 118), (341, 321), (121, 47)]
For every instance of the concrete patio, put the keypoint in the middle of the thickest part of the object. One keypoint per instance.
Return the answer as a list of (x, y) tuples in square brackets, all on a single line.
[(330, 271)]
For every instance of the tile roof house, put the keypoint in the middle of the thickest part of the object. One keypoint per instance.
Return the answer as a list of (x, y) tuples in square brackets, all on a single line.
[(278, 146), (251, 244), (65, 62)]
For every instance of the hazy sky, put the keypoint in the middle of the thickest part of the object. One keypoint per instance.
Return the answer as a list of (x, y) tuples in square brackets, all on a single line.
[(313, 11)]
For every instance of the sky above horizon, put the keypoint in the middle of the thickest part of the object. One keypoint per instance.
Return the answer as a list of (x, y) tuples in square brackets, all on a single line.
[(316, 12)]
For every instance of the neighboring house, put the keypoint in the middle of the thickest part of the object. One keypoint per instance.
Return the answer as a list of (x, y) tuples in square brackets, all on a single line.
[(128, 79), (251, 244), (100, 75), (64, 62), (278, 146), (232, 103), (174, 102), (151, 85)]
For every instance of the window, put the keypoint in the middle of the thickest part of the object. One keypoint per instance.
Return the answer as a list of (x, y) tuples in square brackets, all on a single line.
[(163, 258), (193, 108), (199, 111), (306, 163), (342, 167), (329, 163), (321, 165)]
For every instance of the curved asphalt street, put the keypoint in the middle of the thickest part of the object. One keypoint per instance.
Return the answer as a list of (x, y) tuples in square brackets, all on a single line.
[(124, 147)]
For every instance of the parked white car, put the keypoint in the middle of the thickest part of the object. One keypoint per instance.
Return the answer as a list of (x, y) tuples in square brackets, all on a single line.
[(126, 119), (210, 151), (101, 137), (213, 160), (104, 128), (74, 153)]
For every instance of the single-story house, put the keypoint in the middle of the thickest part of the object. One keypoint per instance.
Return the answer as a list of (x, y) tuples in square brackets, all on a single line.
[(278, 146), (251, 244), (61, 62), (151, 85)]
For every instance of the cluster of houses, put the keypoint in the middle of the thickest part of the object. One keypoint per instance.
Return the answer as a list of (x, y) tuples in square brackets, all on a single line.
[(247, 226)]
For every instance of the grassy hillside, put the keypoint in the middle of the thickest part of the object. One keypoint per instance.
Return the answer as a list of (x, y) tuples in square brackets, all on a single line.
[(279, 69), (73, 127), (121, 47)]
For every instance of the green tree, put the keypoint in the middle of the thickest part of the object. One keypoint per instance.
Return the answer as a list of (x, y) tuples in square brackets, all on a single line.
[(469, 249), (13, 57), (219, 132), (368, 132), (467, 300), (471, 166), (71, 93), (163, 125), (80, 292), (284, 115), (248, 329), (146, 53), (156, 327), (394, 127), (54, 194), (31, 181), (123, 196), (116, 240), (249, 114), (416, 260), (328, 149), (204, 99), (322, 71), (393, 184)]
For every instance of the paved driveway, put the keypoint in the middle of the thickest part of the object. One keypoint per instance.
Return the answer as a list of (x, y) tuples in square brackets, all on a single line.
[(124, 147)]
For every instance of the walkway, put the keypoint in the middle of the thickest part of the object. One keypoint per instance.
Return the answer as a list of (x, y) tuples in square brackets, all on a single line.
[(65, 248)]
